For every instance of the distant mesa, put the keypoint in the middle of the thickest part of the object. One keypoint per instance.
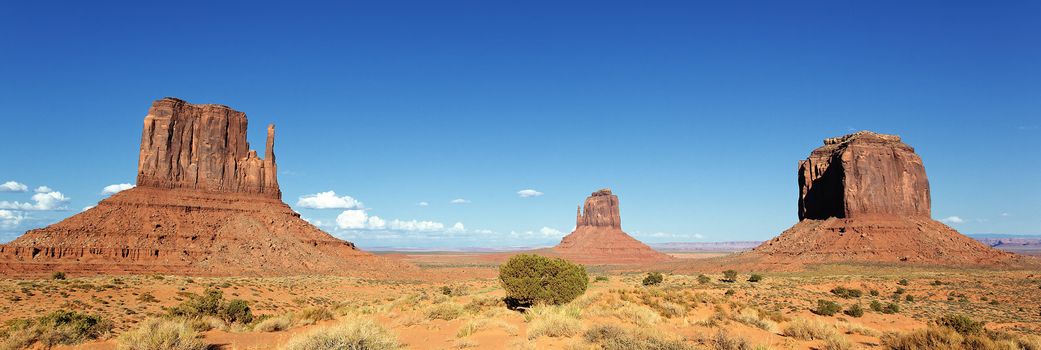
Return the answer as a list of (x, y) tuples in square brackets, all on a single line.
[(864, 197), (598, 237), (205, 204)]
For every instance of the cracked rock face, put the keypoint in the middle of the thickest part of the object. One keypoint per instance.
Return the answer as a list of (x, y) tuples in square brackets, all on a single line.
[(863, 174), (203, 147)]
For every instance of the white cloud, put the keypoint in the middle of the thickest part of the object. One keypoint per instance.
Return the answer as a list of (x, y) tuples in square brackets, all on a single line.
[(87, 208), (952, 220), (43, 189), (1005, 215), (423, 204), (414, 225), (12, 186), (459, 201), (52, 200), (113, 189), (10, 219), (529, 193), (328, 200), (457, 228), (550, 232)]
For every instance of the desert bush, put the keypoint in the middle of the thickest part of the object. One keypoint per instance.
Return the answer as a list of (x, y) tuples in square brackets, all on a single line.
[(611, 337), (891, 308), (637, 314), (903, 282), (961, 324), (729, 276), (58, 275), (60, 327), (704, 279), (361, 334), (147, 297), (274, 324), (444, 311), (875, 306), (530, 279), (236, 311), (729, 292), (826, 308), (837, 342), (808, 330), (160, 334), (653, 278), (553, 321), (874, 292), (856, 328), (755, 278), (601, 279), (854, 311), (846, 292)]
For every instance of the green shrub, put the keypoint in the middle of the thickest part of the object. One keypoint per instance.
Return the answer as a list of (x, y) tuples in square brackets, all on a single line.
[(729, 292), (891, 308), (530, 279), (729, 276), (147, 297), (160, 334), (601, 279), (874, 292), (876, 306), (846, 292), (899, 290), (354, 334), (854, 311), (653, 278), (60, 327), (58, 275), (903, 282), (704, 279), (827, 308), (755, 278), (961, 324), (909, 297), (236, 311)]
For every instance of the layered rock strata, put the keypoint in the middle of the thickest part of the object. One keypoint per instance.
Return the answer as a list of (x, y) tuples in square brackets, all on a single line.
[(205, 205)]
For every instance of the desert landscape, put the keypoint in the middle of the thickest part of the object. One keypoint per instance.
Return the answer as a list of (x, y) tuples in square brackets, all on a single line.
[(203, 254), (754, 175)]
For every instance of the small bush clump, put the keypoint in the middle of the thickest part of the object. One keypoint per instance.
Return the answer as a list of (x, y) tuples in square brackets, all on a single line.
[(444, 311), (212, 303), (702, 279), (854, 311), (961, 324), (653, 278), (755, 278), (729, 276), (553, 321), (846, 292), (530, 279), (611, 337), (58, 275), (808, 330), (60, 327), (827, 308)]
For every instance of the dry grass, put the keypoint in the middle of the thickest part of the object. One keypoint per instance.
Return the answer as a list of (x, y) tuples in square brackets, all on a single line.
[(444, 311), (611, 337), (553, 321), (752, 318), (160, 334), (353, 334), (803, 329), (274, 324)]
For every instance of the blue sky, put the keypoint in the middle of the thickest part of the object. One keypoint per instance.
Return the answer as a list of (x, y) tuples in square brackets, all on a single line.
[(694, 113)]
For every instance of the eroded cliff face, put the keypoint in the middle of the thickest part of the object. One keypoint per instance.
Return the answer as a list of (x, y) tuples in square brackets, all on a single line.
[(203, 147), (600, 210), (205, 205), (598, 237), (863, 174)]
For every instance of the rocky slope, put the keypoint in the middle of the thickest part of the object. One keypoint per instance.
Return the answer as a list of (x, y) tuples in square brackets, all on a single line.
[(205, 205), (598, 237)]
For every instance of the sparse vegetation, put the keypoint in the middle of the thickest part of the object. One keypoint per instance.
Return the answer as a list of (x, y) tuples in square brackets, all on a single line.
[(56, 328), (611, 337), (854, 310), (803, 329), (754, 278), (354, 334), (702, 279), (553, 321), (161, 334), (212, 303), (847, 293), (444, 311), (530, 279), (58, 275)]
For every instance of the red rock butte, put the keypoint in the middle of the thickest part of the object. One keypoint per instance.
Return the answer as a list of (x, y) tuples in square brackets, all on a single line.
[(598, 237), (205, 204), (864, 197)]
